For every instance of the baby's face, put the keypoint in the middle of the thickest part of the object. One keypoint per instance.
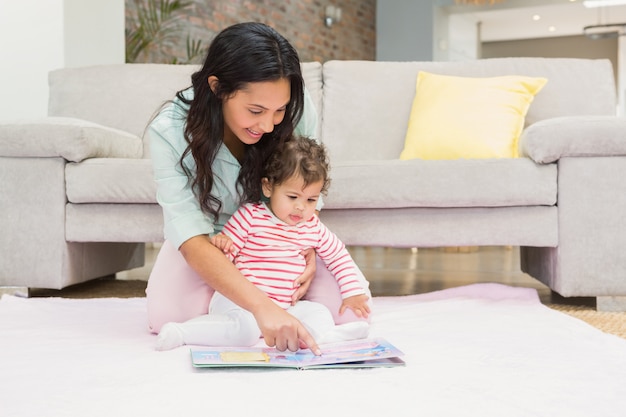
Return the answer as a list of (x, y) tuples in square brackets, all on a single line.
[(291, 201)]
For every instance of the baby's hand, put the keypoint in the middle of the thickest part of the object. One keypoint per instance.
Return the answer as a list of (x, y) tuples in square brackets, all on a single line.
[(222, 242), (356, 303)]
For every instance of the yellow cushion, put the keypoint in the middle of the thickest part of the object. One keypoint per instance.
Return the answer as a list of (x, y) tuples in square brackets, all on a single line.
[(460, 117)]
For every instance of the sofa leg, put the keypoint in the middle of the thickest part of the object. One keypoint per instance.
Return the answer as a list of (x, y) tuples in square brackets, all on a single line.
[(16, 291), (610, 303)]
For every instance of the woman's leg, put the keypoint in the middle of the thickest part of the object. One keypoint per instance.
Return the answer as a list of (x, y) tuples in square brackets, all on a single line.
[(175, 292), (227, 324), (325, 290)]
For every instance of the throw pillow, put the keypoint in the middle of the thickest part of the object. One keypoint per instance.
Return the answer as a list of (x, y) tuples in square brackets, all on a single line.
[(461, 117)]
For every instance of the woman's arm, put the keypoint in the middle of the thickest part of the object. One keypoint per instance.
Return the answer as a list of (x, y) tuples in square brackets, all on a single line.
[(182, 216), (278, 327)]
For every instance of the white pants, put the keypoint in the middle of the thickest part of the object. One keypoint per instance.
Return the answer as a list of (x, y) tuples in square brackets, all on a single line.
[(176, 293), (227, 324)]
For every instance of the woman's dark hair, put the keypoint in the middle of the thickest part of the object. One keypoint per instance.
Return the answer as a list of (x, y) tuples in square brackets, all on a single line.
[(241, 54), (301, 157)]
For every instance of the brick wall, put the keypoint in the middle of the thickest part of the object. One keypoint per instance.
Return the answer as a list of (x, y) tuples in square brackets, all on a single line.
[(300, 21)]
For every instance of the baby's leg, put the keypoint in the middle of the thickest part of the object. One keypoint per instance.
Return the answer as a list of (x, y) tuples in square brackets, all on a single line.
[(320, 323), (226, 325)]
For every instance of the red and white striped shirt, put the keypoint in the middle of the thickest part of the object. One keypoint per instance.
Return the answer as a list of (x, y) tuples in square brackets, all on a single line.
[(267, 251)]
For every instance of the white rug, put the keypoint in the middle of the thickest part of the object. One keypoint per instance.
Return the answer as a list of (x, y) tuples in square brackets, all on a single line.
[(481, 350)]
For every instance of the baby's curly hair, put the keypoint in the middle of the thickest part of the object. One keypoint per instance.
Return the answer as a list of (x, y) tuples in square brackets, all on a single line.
[(299, 156)]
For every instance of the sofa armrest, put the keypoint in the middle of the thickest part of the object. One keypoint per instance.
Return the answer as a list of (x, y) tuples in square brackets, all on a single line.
[(72, 139), (549, 140)]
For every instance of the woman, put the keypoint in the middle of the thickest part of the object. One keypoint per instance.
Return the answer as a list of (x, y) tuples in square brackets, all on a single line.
[(208, 148)]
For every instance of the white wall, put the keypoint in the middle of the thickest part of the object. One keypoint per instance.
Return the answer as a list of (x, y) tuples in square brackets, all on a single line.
[(94, 32), (31, 43), (463, 37), (37, 36)]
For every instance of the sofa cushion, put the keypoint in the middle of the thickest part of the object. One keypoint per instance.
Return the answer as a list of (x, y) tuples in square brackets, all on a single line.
[(468, 117), (419, 227), (458, 183), (110, 180), (113, 223)]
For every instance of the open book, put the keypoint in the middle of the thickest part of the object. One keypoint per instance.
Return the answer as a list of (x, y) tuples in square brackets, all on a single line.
[(365, 353)]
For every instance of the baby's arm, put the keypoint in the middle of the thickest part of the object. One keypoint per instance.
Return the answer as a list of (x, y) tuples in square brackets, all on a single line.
[(339, 262), (223, 242), (358, 304)]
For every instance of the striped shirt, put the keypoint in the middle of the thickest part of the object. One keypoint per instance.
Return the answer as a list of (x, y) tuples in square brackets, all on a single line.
[(267, 251)]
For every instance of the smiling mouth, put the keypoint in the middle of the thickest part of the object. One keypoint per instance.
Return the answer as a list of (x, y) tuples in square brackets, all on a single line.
[(254, 133)]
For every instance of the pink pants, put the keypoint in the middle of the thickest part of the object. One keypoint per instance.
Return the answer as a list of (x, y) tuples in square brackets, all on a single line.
[(176, 293)]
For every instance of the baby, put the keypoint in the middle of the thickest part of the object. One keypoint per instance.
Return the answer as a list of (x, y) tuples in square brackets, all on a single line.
[(265, 241)]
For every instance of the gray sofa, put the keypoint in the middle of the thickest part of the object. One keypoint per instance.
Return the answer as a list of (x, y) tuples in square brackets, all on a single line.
[(78, 199)]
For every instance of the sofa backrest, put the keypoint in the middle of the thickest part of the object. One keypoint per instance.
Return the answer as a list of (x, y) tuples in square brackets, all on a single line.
[(363, 106), (366, 104), (126, 96), (123, 96)]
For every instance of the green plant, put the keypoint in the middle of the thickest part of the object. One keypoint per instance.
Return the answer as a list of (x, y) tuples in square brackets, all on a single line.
[(157, 22), (194, 50)]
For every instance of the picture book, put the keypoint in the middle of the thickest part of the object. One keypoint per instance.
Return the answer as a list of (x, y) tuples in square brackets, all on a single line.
[(365, 353)]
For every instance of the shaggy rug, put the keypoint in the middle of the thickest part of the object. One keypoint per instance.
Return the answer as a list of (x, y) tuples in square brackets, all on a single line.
[(479, 350)]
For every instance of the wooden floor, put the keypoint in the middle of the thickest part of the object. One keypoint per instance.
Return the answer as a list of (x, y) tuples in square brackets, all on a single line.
[(394, 271), (391, 271)]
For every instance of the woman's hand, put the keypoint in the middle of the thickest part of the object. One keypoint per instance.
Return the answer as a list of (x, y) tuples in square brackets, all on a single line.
[(358, 304), (283, 330), (303, 282)]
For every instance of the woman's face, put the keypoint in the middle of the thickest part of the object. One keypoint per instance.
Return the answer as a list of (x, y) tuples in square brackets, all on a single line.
[(253, 111)]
